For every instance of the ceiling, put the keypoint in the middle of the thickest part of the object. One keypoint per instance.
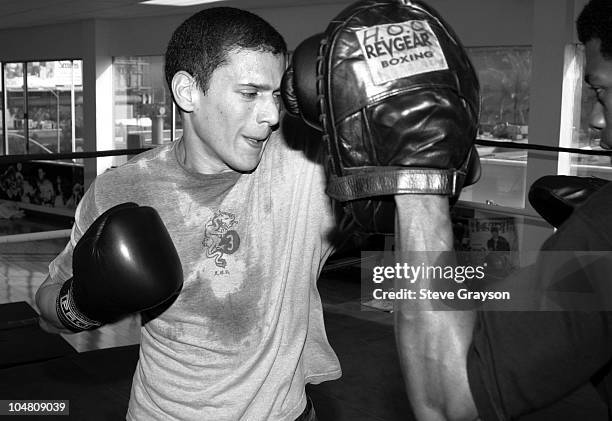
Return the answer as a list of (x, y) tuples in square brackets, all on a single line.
[(27, 13)]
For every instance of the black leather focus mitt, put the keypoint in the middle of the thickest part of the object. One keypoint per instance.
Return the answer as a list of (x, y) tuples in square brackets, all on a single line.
[(397, 99), (555, 197)]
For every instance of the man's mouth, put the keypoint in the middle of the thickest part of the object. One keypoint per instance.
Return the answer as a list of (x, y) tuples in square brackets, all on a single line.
[(256, 141)]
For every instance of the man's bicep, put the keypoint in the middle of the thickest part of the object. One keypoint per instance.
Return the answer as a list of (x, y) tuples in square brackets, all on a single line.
[(86, 212), (60, 268)]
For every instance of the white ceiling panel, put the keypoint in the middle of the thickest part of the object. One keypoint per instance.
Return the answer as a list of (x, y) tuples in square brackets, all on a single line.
[(26, 13)]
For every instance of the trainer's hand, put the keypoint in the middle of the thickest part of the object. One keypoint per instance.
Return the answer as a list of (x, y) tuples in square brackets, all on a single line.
[(389, 128), (124, 263)]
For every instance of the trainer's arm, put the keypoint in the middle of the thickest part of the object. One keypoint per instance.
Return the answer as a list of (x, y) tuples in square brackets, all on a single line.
[(46, 300), (432, 345)]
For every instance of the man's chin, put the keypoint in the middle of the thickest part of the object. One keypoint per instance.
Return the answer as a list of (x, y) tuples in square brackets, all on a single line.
[(245, 167)]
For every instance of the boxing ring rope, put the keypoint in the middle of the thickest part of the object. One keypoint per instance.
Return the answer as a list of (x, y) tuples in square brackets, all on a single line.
[(48, 235), (13, 159), (34, 236), (538, 147)]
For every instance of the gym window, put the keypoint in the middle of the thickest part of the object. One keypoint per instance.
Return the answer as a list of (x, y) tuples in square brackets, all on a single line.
[(504, 74), (42, 107), (144, 113)]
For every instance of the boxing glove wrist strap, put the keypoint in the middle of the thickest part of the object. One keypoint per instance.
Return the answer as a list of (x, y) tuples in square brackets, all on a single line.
[(382, 181), (69, 314)]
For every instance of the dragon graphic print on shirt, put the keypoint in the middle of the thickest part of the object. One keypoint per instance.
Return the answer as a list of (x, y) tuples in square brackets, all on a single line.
[(219, 238)]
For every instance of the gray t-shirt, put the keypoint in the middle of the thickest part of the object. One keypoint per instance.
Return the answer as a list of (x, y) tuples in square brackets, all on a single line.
[(246, 332)]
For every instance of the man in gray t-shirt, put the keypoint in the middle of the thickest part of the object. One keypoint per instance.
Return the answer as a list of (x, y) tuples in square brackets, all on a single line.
[(252, 226)]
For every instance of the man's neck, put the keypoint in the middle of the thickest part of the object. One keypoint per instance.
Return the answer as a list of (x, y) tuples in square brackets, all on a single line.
[(194, 155)]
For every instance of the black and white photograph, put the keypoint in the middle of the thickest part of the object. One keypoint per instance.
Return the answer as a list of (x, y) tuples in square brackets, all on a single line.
[(306, 210)]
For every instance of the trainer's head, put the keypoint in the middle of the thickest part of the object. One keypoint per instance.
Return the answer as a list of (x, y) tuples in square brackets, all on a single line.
[(594, 27), (201, 43)]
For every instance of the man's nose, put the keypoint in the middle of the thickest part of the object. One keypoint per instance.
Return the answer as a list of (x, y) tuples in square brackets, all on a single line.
[(269, 112), (597, 121)]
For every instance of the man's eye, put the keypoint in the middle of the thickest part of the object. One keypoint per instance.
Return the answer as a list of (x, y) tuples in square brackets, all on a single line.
[(249, 94)]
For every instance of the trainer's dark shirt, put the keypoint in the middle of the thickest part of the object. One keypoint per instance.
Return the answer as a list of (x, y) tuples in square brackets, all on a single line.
[(548, 365)]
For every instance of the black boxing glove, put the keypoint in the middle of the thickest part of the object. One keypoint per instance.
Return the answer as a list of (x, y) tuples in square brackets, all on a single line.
[(124, 263), (555, 197), (397, 100)]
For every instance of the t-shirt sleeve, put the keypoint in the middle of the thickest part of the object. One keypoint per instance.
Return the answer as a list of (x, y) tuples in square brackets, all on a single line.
[(60, 269), (520, 362), (305, 144)]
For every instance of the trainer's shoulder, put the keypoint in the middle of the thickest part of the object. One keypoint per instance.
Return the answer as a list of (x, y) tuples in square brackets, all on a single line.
[(596, 213)]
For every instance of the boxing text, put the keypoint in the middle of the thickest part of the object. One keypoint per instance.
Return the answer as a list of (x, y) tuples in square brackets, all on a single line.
[(398, 50)]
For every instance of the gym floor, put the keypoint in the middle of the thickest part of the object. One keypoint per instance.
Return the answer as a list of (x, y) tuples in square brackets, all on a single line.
[(371, 388)]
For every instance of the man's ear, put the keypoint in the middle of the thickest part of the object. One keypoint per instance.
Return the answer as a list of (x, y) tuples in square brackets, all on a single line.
[(183, 85)]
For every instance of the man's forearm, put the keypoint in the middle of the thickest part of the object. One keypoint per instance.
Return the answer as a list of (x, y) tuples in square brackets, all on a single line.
[(432, 345), (46, 300)]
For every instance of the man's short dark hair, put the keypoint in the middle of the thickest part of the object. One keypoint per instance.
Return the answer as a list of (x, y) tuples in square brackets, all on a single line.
[(595, 21), (202, 42)]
